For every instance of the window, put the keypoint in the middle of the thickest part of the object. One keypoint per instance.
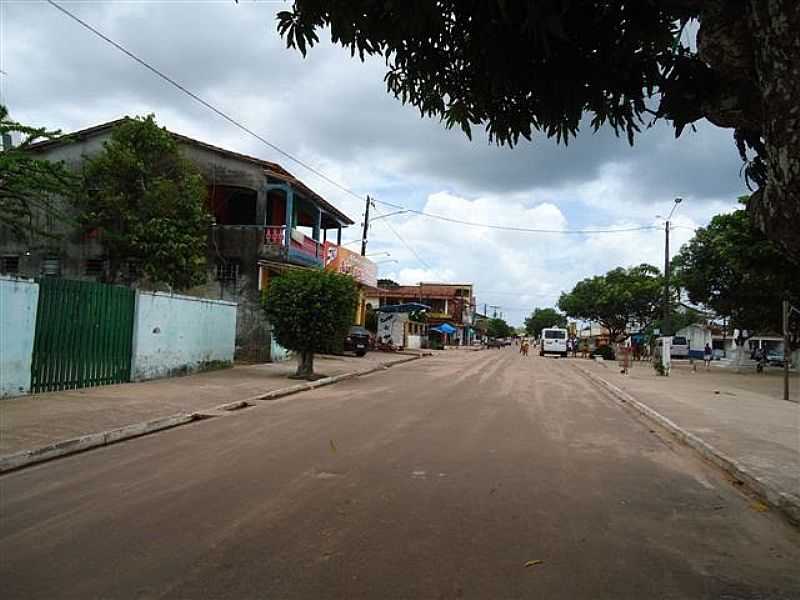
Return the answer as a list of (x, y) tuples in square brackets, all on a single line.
[(242, 208), (95, 267), (51, 266), (228, 270), (9, 264), (554, 334)]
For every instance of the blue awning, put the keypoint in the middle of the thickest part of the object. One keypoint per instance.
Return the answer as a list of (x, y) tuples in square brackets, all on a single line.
[(445, 328)]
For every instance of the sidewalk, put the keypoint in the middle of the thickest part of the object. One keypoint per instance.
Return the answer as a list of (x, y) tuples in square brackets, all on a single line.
[(742, 416), (29, 422)]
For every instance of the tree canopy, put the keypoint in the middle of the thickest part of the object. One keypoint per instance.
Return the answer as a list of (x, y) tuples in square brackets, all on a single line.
[(147, 204), (310, 311), (544, 317), (618, 299), (498, 328), (28, 186), (516, 68), (730, 267)]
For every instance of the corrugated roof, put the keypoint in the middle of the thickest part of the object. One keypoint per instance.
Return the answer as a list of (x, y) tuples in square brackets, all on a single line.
[(272, 169)]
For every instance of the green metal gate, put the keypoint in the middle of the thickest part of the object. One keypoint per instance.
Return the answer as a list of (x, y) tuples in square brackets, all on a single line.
[(83, 335)]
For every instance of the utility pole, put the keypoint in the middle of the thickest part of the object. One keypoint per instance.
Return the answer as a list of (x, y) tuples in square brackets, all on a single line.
[(366, 228), (666, 326), (492, 306), (786, 350)]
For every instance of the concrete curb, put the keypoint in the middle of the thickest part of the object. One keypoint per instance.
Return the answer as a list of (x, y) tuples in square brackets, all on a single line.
[(786, 503), (25, 458)]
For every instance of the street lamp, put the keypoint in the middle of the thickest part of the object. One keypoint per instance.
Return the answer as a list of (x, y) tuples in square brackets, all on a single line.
[(383, 262), (380, 254), (666, 326), (391, 214)]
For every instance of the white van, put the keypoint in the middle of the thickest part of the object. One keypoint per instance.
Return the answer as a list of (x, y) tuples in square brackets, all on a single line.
[(679, 348), (554, 341)]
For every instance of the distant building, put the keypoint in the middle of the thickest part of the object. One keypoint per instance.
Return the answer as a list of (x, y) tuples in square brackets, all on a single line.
[(451, 303)]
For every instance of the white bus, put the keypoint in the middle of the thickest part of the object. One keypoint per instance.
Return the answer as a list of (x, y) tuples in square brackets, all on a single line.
[(554, 341)]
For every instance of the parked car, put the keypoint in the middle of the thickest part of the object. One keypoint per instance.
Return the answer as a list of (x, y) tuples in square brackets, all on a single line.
[(679, 347), (775, 358), (357, 340)]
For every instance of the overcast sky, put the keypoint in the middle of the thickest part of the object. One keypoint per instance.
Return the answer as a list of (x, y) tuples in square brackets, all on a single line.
[(334, 113)]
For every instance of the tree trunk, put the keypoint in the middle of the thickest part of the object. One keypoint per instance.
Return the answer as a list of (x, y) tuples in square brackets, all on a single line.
[(305, 365), (776, 31), (753, 48)]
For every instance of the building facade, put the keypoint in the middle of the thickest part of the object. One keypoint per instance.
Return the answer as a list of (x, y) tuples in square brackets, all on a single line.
[(265, 222), (452, 303)]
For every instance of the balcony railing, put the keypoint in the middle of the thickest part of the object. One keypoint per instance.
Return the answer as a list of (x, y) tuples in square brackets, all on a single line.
[(302, 248), (275, 235)]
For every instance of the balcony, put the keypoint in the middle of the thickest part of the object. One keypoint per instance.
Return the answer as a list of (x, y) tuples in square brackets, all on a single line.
[(301, 250)]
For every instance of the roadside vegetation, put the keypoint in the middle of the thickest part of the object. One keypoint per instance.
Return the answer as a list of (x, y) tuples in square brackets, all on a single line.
[(310, 312)]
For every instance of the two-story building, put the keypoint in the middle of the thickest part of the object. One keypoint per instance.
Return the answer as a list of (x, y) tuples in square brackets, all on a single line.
[(452, 303), (265, 221)]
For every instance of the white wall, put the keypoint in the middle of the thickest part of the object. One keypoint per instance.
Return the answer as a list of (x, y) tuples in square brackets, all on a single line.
[(391, 328), (178, 334), (18, 302), (698, 336)]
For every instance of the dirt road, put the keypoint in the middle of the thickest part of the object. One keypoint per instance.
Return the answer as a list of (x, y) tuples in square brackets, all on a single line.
[(438, 479)]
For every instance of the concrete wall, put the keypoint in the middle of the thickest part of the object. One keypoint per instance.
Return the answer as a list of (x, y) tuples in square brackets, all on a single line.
[(179, 334), (18, 302)]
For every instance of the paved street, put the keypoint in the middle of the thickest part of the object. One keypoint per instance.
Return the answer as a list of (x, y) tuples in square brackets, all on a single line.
[(437, 479)]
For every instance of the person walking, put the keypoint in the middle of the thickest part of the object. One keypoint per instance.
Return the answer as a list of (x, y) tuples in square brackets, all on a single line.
[(707, 354)]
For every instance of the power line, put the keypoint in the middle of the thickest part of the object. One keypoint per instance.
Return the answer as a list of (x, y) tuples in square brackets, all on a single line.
[(314, 170), (200, 100), (406, 244), (519, 229)]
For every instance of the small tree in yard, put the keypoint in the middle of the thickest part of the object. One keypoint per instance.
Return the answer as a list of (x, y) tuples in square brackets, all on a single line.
[(147, 204), (310, 312)]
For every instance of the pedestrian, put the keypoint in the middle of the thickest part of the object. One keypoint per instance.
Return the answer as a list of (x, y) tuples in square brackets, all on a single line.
[(707, 356), (760, 357)]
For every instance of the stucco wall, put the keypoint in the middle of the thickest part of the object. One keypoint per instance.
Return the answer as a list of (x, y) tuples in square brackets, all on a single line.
[(18, 302), (180, 334)]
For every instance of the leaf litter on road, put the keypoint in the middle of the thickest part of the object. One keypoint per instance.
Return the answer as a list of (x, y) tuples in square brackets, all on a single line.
[(533, 563)]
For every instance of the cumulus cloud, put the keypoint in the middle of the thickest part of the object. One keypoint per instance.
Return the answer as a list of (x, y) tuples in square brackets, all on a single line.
[(334, 112)]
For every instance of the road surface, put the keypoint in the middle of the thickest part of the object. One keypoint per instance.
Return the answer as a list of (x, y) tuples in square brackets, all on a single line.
[(438, 479)]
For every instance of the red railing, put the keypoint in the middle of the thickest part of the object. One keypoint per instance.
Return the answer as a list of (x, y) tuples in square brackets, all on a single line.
[(275, 235), (306, 245)]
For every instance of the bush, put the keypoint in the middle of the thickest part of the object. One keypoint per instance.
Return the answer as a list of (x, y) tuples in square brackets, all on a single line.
[(310, 312)]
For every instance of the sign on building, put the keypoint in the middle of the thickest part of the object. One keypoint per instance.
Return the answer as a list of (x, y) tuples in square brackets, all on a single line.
[(347, 262)]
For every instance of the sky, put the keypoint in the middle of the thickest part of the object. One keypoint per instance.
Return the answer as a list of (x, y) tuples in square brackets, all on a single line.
[(333, 112)]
